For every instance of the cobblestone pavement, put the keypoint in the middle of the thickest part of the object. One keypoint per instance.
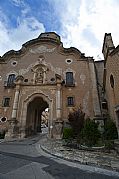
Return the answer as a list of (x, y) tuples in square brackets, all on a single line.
[(108, 161), (24, 159)]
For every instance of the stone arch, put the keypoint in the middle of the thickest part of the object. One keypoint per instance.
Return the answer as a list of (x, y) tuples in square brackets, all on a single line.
[(29, 100)]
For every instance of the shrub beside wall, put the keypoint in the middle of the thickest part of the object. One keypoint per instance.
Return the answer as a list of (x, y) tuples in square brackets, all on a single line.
[(90, 134), (68, 133), (110, 130)]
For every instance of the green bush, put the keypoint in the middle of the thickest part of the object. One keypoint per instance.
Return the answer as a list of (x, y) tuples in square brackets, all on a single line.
[(90, 134), (68, 133), (110, 130), (109, 144)]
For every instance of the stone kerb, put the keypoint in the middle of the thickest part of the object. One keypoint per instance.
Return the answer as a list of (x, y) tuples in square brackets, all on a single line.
[(109, 161)]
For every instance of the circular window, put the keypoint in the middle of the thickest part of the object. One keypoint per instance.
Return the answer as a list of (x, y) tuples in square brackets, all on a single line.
[(52, 79), (68, 61), (3, 119), (14, 63), (26, 80), (112, 81)]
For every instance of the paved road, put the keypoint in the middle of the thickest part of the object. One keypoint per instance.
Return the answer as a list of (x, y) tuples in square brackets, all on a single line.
[(25, 160)]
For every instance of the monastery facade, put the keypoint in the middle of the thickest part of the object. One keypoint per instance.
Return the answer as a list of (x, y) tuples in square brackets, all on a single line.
[(43, 74)]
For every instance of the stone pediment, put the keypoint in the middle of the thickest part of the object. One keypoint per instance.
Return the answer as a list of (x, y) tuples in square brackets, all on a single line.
[(39, 46)]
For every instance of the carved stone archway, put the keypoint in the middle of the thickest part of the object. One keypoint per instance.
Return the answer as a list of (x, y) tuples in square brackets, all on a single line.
[(29, 101), (34, 113)]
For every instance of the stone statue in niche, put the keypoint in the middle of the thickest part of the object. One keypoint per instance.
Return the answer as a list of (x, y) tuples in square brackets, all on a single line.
[(39, 75), (40, 70)]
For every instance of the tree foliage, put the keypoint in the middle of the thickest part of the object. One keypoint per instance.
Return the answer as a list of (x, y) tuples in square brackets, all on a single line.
[(90, 133), (67, 133), (110, 132), (76, 119)]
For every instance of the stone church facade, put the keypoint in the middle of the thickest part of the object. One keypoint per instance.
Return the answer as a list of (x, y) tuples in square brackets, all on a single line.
[(43, 74)]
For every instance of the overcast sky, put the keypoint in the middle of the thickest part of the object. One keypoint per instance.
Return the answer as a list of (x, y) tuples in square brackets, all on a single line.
[(80, 23)]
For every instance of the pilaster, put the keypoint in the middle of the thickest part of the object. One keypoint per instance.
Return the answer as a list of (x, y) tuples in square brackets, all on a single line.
[(96, 104)]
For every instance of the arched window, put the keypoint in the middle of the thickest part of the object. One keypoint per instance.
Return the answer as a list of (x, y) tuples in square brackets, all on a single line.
[(69, 79), (10, 81), (112, 81)]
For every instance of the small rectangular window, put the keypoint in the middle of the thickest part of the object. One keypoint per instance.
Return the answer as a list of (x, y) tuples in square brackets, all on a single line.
[(6, 102), (104, 105), (70, 101)]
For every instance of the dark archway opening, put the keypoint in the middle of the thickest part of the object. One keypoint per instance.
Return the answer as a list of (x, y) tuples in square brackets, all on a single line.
[(34, 115)]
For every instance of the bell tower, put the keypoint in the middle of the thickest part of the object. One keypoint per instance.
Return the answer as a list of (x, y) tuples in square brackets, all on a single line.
[(108, 45)]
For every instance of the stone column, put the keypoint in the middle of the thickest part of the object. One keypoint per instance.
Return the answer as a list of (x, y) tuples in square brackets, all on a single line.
[(96, 104), (44, 77), (34, 77), (50, 120), (58, 124), (13, 131), (58, 102), (23, 122), (15, 104)]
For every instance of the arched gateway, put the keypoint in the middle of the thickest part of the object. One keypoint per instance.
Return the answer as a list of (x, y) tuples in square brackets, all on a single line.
[(36, 104), (34, 113)]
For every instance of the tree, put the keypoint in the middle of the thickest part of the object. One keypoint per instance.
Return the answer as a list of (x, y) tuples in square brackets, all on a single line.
[(76, 119)]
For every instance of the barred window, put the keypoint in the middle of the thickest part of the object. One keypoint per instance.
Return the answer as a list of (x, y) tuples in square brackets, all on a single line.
[(69, 78), (6, 102), (70, 101)]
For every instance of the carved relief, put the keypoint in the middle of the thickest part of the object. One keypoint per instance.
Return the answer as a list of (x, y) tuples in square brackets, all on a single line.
[(53, 91), (42, 61), (42, 49), (40, 69)]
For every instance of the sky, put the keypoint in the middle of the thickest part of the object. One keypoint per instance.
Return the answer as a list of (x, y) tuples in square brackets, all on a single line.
[(80, 23)]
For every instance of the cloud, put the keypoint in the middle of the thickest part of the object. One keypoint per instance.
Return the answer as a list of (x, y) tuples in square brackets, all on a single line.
[(85, 22), (80, 23), (17, 2), (27, 28)]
